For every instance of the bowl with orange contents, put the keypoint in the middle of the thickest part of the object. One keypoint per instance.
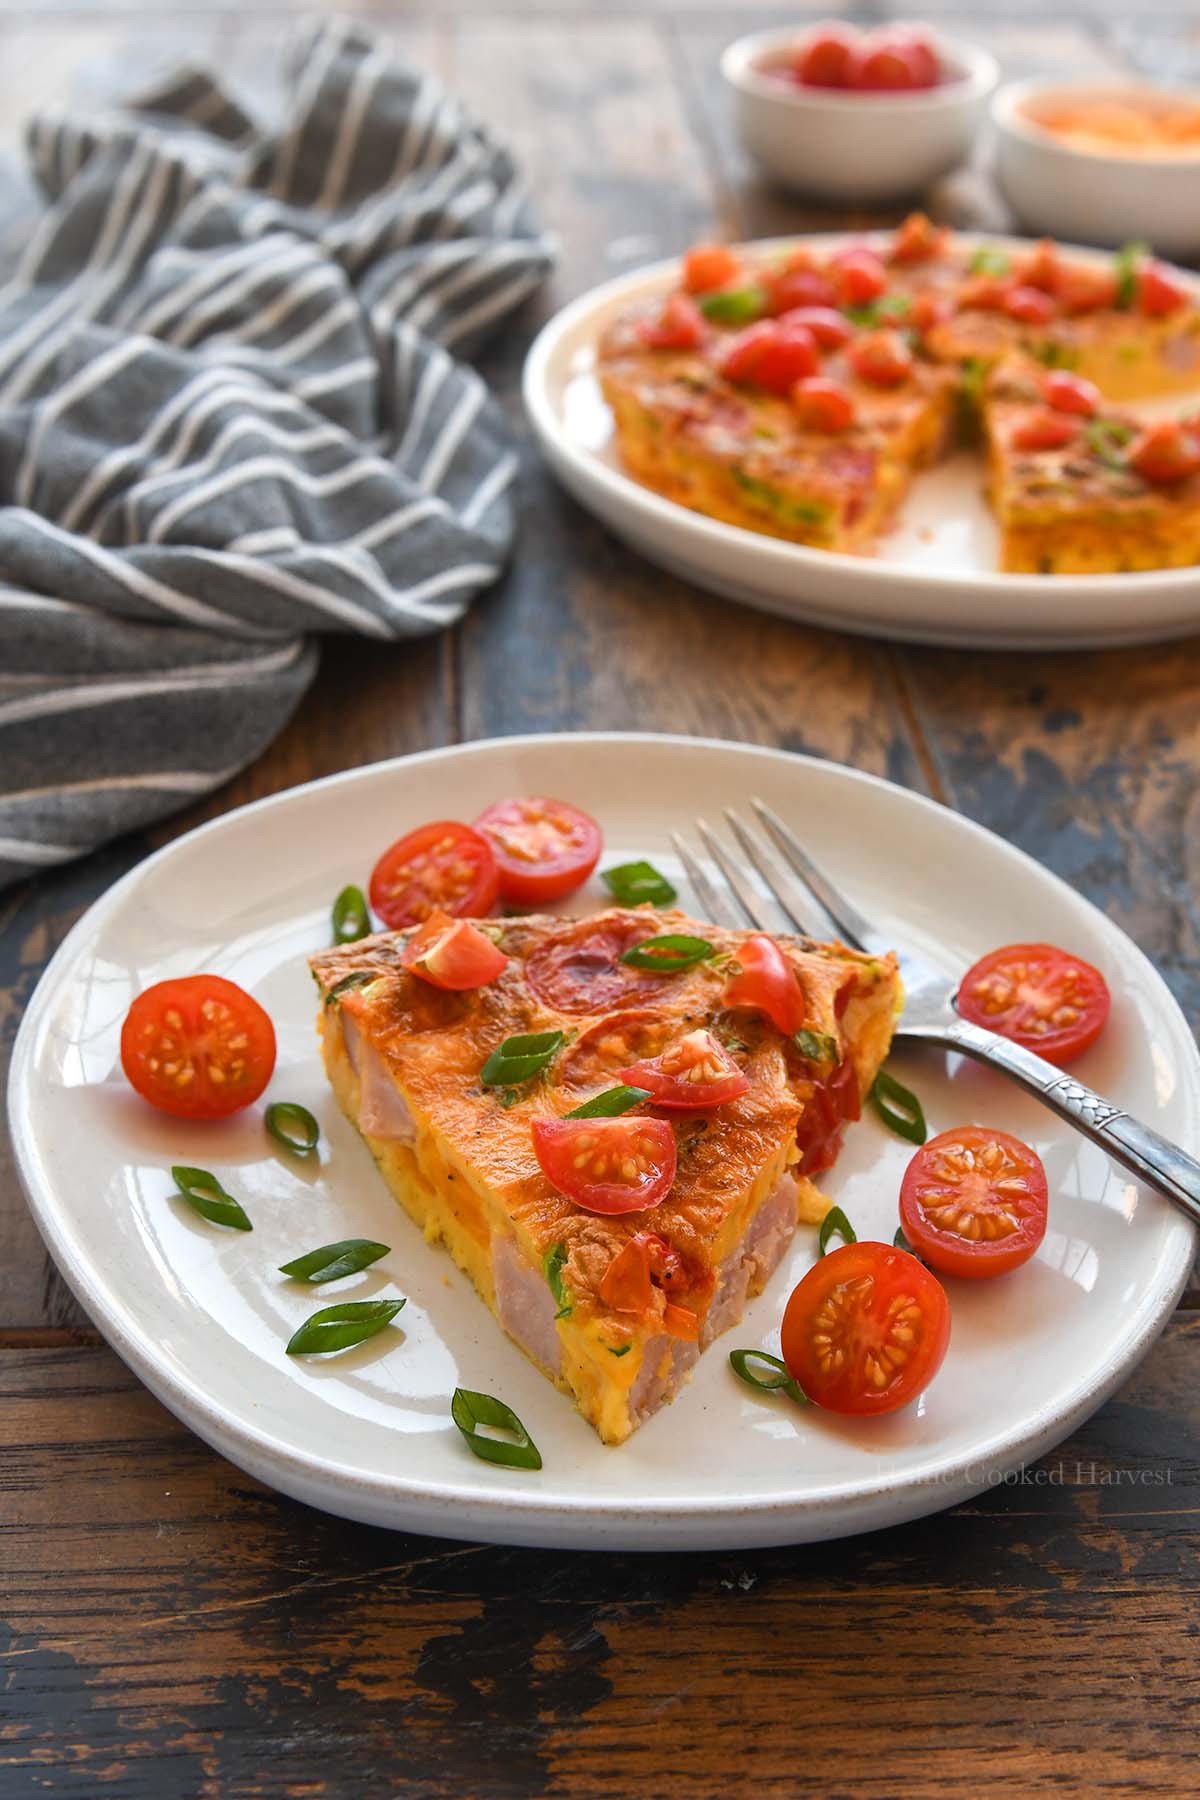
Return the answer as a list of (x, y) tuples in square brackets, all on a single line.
[(1102, 162), (858, 116)]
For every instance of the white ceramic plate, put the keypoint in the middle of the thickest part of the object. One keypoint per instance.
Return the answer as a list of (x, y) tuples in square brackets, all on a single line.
[(202, 1317), (933, 578)]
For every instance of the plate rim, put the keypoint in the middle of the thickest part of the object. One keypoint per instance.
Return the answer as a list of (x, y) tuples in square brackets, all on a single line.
[(529, 1517)]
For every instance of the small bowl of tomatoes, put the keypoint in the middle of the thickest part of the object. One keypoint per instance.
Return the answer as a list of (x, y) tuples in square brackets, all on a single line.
[(858, 116)]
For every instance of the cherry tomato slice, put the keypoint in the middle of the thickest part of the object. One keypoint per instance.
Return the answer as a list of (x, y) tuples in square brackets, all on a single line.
[(860, 276), (199, 1047), (695, 1073), (579, 969), (443, 867), (823, 405), (1166, 452), (799, 284), (767, 982), (1068, 393), (1084, 290), (985, 293), (1039, 996), (1044, 430), (917, 239), (1043, 269), (828, 326), (973, 1202), (543, 848), (607, 1165), (678, 326), (1029, 305), (709, 266), (1158, 292), (771, 355), (835, 1102), (625, 1285), (882, 358), (824, 58), (595, 1060), (452, 953), (866, 1330)]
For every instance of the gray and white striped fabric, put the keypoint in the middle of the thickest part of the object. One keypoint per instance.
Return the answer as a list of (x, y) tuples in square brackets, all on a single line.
[(232, 416)]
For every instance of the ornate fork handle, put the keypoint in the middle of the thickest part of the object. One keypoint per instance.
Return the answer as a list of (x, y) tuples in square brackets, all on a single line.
[(1151, 1158)]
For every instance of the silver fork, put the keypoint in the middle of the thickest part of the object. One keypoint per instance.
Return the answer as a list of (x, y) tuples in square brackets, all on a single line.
[(809, 900)]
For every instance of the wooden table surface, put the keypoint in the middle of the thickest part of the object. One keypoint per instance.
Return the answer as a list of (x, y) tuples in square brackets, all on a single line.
[(170, 1629)]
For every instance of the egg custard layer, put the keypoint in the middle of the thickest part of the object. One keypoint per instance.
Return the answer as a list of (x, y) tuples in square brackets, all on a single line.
[(405, 1061)]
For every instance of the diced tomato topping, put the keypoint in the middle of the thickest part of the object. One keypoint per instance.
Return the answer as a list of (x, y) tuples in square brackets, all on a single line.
[(1166, 452), (709, 266), (985, 293), (1158, 292), (860, 275), (772, 355), (917, 239), (543, 848), (767, 983), (1044, 430), (928, 310), (1029, 305), (866, 1330), (822, 404), (679, 325), (199, 1047), (798, 283), (1068, 393), (452, 953), (828, 326), (881, 357), (1043, 269), (824, 58), (695, 1073), (607, 1166), (1039, 996), (973, 1202), (443, 866), (1082, 289)]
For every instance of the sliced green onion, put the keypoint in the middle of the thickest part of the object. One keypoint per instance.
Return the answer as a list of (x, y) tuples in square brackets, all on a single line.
[(633, 883), (734, 305), (340, 1327), (1125, 268), (553, 1264), (205, 1195), (816, 1046), (987, 260), (667, 954), (883, 311), (835, 1220), (351, 920), (899, 1108), (1106, 439), (346, 1257), (610, 1104), (359, 978), (519, 1058), (470, 1410), (775, 1378), (618, 1349), (293, 1126)]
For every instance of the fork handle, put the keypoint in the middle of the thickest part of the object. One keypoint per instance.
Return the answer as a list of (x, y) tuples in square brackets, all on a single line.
[(1151, 1158)]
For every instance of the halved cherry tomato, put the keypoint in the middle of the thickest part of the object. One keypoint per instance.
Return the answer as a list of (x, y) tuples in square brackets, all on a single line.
[(678, 326), (799, 284), (825, 56), (916, 47), (771, 355), (607, 1165), (881, 357), (917, 239), (835, 1102), (1158, 292), (767, 982), (973, 1202), (1039, 996), (1029, 305), (443, 867), (887, 67), (199, 1047), (828, 326), (823, 405), (860, 275), (543, 848), (708, 266), (579, 969), (595, 1060), (1083, 290), (695, 1073), (1044, 430), (866, 1330), (1068, 393), (625, 1285), (452, 953), (1166, 452)]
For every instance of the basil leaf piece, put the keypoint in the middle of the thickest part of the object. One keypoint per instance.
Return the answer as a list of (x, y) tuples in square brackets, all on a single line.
[(346, 1257), (775, 1378), (1125, 268), (633, 884), (610, 1104), (668, 954), (357, 979), (293, 1126), (898, 1108), (733, 305), (205, 1195), (341, 1327), (553, 1264), (470, 1410), (988, 260), (835, 1220), (817, 1046), (350, 917), (519, 1058)]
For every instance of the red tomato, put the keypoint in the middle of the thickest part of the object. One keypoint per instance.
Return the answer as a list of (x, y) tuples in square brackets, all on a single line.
[(681, 1322), (1044, 431), (625, 1285), (866, 1330), (825, 56), (767, 983), (894, 61), (452, 953), (1044, 998), (694, 1073), (1043, 269), (1157, 291), (985, 293), (771, 355), (679, 326), (443, 867), (881, 357), (827, 325), (579, 969), (199, 1047), (607, 1165), (860, 276), (835, 1102), (1029, 305), (823, 405), (595, 1060), (928, 310), (543, 848), (1082, 289), (1166, 452), (973, 1202), (709, 266), (799, 284), (1068, 393), (917, 239)]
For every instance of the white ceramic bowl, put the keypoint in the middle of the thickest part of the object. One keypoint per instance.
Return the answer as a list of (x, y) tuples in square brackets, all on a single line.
[(1087, 195), (856, 147)]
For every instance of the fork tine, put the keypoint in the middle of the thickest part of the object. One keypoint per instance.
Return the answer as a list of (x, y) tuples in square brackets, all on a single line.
[(751, 902), (850, 925), (809, 918), (715, 906)]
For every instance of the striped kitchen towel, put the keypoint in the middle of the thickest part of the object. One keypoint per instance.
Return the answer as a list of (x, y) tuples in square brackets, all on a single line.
[(233, 415)]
